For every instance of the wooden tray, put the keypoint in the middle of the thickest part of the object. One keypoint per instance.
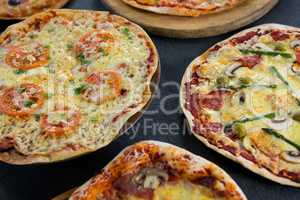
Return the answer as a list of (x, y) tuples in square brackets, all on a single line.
[(194, 27)]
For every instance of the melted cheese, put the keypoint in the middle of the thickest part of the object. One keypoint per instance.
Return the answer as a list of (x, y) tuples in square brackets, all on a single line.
[(60, 77), (182, 190), (260, 97)]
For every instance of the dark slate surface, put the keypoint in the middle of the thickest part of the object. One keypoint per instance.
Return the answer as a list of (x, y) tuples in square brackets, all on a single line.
[(46, 181)]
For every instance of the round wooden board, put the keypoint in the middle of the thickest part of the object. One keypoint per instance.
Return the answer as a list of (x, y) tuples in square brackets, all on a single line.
[(194, 27)]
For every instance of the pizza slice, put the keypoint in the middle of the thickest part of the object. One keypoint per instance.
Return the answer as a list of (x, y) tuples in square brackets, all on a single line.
[(192, 8), (153, 170), (241, 98), (19, 9)]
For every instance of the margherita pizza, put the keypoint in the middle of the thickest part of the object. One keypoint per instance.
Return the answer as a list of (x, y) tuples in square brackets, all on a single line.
[(19, 9), (192, 8), (69, 81), (242, 99), (157, 171)]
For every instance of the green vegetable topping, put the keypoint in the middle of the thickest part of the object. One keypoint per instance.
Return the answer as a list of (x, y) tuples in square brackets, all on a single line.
[(37, 117), (245, 120), (222, 81), (50, 30), (296, 117), (240, 130), (243, 86), (126, 32), (79, 90), (28, 103), (245, 81), (282, 137), (47, 46), (19, 71), (20, 90), (279, 47), (279, 76), (70, 46), (266, 53), (48, 95), (83, 60)]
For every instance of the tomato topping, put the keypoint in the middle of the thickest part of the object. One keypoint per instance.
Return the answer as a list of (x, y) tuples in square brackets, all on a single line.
[(104, 86), (297, 56), (60, 121), (22, 100), (278, 35), (94, 43), (213, 100), (250, 61), (244, 38), (27, 57)]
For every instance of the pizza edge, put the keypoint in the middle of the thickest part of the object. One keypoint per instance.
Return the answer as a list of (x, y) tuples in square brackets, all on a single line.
[(239, 159), (4, 15), (94, 184), (13, 157), (180, 11)]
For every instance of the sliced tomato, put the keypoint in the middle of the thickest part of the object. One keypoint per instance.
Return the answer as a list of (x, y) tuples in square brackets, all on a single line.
[(22, 100), (101, 81), (27, 56), (66, 121), (93, 43)]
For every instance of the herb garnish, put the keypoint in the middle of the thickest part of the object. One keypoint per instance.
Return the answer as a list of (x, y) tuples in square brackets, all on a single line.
[(83, 60), (79, 90)]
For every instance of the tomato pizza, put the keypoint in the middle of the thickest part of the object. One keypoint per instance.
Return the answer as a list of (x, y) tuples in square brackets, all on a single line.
[(69, 81), (19, 9), (191, 8)]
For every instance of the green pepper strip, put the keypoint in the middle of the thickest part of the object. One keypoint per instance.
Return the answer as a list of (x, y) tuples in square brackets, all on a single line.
[(279, 136), (278, 75), (266, 53), (248, 86), (268, 116)]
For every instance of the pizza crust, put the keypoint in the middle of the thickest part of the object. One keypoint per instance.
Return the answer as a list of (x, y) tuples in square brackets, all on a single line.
[(24, 11), (195, 163), (12, 157), (239, 159), (179, 11)]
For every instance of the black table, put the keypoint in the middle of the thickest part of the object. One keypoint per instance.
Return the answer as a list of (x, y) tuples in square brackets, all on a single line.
[(167, 124)]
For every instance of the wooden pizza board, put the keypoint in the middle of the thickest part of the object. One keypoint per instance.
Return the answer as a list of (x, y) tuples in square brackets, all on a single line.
[(194, 27)]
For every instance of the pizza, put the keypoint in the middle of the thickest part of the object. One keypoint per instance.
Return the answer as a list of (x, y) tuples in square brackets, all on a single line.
[(153, 170), (191, 8), (69, 81), (241, 98), (20, 9)]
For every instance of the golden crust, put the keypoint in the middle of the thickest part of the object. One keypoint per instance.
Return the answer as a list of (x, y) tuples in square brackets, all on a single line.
[(237, 158), (8, 12), (12, 156), (141, 155), (181, 11)]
